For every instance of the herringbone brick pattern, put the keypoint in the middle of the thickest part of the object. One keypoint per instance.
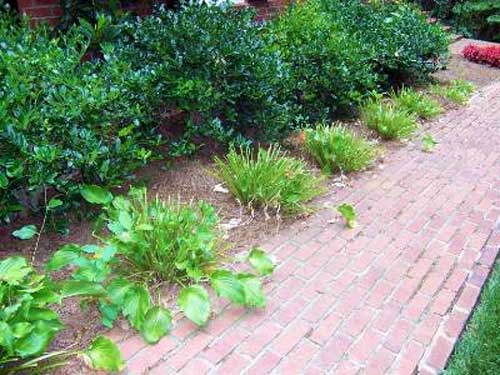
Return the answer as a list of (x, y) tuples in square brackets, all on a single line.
[(388, 297)]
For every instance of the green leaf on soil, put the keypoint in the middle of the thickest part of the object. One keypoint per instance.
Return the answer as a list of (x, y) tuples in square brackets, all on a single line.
[(26, 233)]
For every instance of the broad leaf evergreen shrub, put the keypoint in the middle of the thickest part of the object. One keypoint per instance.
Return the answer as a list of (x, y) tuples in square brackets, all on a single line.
[(212, 63), (62, 122), (329, 69), (66, 120), (395, 37)]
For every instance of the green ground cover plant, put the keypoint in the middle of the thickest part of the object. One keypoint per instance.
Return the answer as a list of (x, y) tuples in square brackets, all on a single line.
[(457, 91), (336, 148), (387, 120), (477, 351), (268, 178), (417, 103)]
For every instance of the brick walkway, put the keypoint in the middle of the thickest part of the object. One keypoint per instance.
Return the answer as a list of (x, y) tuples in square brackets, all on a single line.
[(389, 297)]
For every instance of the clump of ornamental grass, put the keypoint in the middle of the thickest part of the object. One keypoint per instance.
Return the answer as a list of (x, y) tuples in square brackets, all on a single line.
[(268, 178), (387, 120), (336, 148), (416, 103), (457, 91)]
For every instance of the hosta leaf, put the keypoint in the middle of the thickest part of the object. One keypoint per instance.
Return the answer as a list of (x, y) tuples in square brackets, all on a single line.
[(46, 296), (227, 285), (6, 337), (13, 270), (66, 255), (254, 296), (109, 313), (157, 324), (195, 304), (103, 354), (117, 289), (37, 341), (41, 313), (261, 261), (125, 220), (26, 233), (135, 305), (95, 194), (348, 213), (72, 288), (22, 329), (54, 203)]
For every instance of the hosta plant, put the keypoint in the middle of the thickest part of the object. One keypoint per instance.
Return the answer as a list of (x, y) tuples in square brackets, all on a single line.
[(416, 103), (387, 120), (268, 178), (28, 324), (337, 148), (151, 241), (167, 240)]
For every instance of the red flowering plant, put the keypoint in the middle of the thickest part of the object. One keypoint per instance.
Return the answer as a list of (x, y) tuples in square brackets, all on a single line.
[(489, 54)]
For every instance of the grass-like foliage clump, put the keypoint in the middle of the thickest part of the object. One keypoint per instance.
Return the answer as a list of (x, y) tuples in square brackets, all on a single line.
[(268, 178), (337, 148), (416, 103), (478, 350), (387, 120), (457, 91), (168, 240)]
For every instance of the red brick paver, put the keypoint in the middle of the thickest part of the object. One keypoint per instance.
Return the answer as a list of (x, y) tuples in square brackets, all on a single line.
[(390, 296)]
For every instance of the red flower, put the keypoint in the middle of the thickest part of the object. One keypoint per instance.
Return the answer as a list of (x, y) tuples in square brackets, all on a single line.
[(483, 54)]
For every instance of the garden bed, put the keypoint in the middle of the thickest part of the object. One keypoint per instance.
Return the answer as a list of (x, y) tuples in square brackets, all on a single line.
[(193, 179)]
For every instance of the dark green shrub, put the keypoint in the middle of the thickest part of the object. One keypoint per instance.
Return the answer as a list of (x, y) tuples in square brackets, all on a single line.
[(211, 63), (478, 18), (329, 68), (63, 122), (395, 37)]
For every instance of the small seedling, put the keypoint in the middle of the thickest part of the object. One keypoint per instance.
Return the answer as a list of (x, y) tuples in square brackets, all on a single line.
[(428, 143), (348, 213)]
